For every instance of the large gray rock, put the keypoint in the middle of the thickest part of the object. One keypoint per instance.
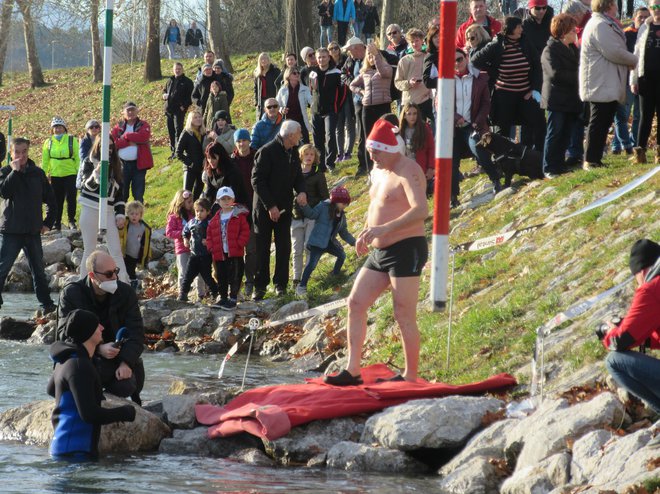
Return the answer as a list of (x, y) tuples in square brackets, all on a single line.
[(155, 309), (431, 423), (179, 411), (541, 478), (362, 458), (31, 424), (11, 329), (621, 462), (475, 476), (180, 317), (44, 334), (545, 432), (587, 453), (289, 309), (313, 337), (56, 250), (488, 443), (309, 440), (197, 442), (192, 329)]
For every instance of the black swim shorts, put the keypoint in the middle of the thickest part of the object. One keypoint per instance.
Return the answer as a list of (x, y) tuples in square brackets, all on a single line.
[(402, 259)]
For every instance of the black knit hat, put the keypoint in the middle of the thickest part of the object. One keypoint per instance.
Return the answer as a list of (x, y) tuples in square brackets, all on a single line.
[(644, 253), (80, 325)]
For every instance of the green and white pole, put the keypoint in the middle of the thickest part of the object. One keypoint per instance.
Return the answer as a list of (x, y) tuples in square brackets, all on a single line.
[(10, 127), (105, 125)]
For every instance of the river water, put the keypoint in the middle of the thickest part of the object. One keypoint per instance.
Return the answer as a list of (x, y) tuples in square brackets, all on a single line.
[(24, 372)]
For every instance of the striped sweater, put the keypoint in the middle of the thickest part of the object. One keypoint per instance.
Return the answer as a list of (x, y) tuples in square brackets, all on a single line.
[(89, 192), (514, 69)]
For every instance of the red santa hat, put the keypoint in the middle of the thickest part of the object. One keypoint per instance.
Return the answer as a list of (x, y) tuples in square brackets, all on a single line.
[(383, 137)]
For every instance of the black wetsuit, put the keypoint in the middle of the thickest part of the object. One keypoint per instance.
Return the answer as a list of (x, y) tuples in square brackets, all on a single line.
[(78, 414)]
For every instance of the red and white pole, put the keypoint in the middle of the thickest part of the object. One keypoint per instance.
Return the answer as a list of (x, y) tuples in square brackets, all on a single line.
[(444, 138)]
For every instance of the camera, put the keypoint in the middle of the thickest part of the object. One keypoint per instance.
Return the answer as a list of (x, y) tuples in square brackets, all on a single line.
[(602, 328)]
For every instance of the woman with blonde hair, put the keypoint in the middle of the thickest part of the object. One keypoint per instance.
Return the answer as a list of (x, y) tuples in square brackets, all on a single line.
[(476, 37), (265, 74), (190, 151), (294, 98)]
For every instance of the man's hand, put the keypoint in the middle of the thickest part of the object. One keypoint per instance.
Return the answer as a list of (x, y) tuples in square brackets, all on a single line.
[(413, 83), (361, 247), (16, 166), (634, 88), (274, 214), (301, 199), (460, 122), (373, 232), (123, 372), (204, 242), (107, 350)]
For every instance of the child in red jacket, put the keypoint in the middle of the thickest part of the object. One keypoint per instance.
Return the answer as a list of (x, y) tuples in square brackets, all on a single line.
[(227, 235)]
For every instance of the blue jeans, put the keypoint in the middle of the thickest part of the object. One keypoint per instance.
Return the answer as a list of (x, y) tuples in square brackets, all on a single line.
[(134, 180), (622, 116), (357, 28), (557, 138), (10, 245), (327, 30), (315, 253), (463, 139), (638, 373), (622, 137)]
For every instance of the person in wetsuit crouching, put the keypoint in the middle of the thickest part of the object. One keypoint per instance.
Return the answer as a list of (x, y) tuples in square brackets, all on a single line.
[(76, 387)]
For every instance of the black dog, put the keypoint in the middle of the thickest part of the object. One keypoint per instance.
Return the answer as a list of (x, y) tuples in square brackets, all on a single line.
[(512, 158)]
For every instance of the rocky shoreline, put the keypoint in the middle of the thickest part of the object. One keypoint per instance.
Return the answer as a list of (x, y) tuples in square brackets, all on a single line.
[(592, 440)]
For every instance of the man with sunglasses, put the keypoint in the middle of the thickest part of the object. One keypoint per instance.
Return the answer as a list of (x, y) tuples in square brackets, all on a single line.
[(266, 129), (478, 15), (115, 304), (24, 188), (536, 23)]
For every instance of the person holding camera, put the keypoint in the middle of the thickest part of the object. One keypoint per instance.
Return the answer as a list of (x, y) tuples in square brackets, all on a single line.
[(638, 372), (115, 303)]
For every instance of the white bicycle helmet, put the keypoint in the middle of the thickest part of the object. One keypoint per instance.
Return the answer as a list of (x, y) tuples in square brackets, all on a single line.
[(57, 121)]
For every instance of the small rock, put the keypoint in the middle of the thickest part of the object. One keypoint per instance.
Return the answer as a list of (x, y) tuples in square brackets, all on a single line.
[(253, 456), (44, 334), (179, 410), (625, 215), (362, 458), (55, 250), (11, 329), (289, 309)]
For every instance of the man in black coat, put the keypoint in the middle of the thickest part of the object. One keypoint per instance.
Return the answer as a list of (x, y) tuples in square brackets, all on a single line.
[(275, 175), (536, 23), (24, 188), (194, 40), (115, 304), (177, 97)]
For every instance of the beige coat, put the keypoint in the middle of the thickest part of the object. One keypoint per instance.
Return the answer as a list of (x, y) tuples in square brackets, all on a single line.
[(411, 67), (604, 61), (374, 84)]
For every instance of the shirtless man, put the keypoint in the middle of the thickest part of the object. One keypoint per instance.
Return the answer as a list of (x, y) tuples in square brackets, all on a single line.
[(395, 228)]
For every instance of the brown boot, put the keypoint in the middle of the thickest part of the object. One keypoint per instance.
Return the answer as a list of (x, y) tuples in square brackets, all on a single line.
[(639, 156)]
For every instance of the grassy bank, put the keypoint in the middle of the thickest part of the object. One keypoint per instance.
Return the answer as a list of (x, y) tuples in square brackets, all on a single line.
[(501, 295)]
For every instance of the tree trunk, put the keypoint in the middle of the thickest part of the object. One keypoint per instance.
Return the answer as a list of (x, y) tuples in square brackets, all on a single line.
[(216, 39), (299, 25), (97, 61), (34, 66), (152, 64), (387, 18), (5, 28)]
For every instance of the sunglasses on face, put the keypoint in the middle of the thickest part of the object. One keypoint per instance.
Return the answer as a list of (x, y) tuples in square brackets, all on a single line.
[(108, 274), (540, 8), (270, 107), (392, 33), (310, 55), (334, 48), (94, 126), (295, 73)]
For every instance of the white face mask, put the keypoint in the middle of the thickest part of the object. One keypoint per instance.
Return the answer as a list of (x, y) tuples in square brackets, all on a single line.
[(109, 286)]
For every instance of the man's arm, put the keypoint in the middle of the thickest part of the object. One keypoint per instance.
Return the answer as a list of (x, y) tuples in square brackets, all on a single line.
[(140, 136), (640, 322)]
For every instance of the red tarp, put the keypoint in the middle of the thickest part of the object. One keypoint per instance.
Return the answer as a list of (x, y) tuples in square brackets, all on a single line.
[(271, 411)]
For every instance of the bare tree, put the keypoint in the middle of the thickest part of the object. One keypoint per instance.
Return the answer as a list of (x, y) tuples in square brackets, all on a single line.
[(299, 25), (97, 62), (217, 38), (152, 70), (34, 66), (5, 28)]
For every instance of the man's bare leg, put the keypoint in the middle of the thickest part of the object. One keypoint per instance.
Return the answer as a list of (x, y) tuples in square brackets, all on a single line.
[(368, 286), (405, 292)]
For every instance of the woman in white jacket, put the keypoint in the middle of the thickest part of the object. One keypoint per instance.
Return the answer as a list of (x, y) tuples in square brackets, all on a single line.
[(645, 80), (294, 98), (604, 64)]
